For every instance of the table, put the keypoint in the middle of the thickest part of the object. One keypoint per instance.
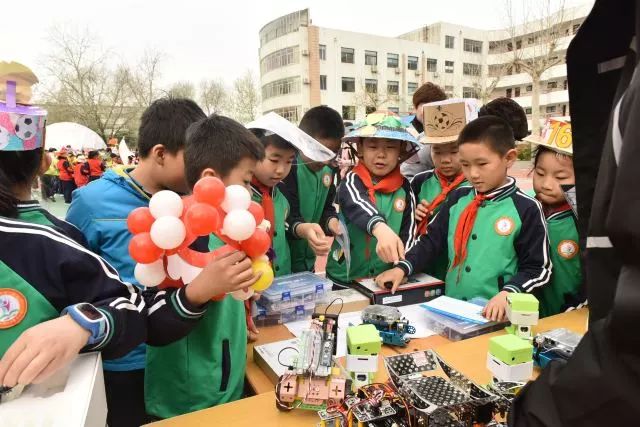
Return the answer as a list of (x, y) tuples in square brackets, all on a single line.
[(468, 356)]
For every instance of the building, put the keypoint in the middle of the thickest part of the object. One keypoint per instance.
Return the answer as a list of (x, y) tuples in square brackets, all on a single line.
[(303, 65)]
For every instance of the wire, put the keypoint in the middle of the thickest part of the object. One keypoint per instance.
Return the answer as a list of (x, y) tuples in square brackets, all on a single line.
[(280, 352), (331, 303)]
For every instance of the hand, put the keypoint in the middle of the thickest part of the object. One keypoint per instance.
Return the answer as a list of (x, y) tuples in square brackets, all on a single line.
[(42, 350), (390, 247), (496, 308), (334, 226), (226, 273), (422, 210), (395, 276), (318, 242)]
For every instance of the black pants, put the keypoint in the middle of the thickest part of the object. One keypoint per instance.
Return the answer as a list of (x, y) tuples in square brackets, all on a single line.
[(93, 178), (125, 398), (47, 186), (67, 189)]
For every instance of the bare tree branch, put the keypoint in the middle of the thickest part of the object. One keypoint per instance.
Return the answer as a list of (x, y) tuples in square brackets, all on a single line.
[(245, 98), (213, 96)]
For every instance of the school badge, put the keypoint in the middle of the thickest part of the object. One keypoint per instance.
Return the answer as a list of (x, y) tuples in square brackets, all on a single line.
[(13, 307), (326, 179), (567, 249), (399, 205), (504, 226)]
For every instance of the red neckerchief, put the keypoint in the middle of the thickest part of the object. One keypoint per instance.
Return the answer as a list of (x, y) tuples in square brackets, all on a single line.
[(389, 184), (550, 210), (464, 227), (267, 204), (447, 187)]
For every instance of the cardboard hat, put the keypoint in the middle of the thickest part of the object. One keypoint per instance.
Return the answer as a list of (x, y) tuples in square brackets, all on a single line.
[(384, 124), (275, 124), (555, 135), (444, 120)]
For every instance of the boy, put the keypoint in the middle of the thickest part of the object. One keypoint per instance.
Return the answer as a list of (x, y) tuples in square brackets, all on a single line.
[(432, 187), (375, 200), (553, 169), (309, 188), (206, 368), (511, 112), (100, 211), (495, 235)]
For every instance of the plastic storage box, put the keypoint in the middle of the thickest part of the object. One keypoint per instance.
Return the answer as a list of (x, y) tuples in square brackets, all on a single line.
[(263, 317), (456, 329), (294, 290)]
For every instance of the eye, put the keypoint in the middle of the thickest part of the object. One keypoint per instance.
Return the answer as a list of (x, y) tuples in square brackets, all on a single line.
[(273, 160), (539, 173)]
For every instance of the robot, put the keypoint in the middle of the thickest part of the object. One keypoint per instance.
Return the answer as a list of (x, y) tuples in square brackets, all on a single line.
[(522, 311), (510, 359), (363, 346), (390, 324)]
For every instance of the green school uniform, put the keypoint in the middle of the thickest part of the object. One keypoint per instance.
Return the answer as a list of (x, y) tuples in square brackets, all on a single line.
[(203, 369), (565, 255), (282, 261)]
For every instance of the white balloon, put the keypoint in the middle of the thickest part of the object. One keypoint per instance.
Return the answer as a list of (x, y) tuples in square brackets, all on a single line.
[(242, 294), (165, 203), (238, 225), (236, 197), (168, 232), (150, 275)]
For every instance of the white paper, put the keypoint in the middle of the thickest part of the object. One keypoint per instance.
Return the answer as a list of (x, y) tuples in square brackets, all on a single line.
[(456, 308), (269, 353)]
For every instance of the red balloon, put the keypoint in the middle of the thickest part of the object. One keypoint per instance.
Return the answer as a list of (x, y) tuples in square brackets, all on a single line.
[(209, 190), (256, 245), (143, 250), (188, 240), (201, 219), (201, 259), (257, 212), (187, 202), (140, 220)]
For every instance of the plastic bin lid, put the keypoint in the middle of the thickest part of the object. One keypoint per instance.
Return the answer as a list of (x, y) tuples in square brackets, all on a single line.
[(296, 284)]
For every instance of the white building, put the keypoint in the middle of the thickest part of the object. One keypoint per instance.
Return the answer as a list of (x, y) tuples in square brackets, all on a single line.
[(303, 65)]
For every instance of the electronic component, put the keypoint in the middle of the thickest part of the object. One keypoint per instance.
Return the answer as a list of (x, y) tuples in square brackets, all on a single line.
[(363, 345), (555, 344), (389, 322), (522, 312)]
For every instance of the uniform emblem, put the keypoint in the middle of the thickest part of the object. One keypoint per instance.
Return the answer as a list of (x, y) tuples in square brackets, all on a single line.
[(13, 307), (504, 226), (568, 249), (399, 205), (326, 179)]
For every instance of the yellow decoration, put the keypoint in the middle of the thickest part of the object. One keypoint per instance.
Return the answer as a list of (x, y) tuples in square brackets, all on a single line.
[(368, 131), (374, 118), (267, 275)]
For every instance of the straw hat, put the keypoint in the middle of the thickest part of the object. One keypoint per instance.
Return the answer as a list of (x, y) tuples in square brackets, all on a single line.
[(444, 120)]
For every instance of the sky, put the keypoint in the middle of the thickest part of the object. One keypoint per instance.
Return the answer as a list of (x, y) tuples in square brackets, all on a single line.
[(219, 39)]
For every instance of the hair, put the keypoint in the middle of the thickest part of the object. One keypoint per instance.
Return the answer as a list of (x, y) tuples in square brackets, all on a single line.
[(93, 154), (428, 92), (16, 168), (509, 110), (272, 139), (114, 155), (165, 122), (322, 122), (542, 149), (491, 130), (219, 143)]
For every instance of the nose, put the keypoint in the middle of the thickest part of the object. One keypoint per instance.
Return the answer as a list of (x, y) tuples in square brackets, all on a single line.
[(548, 183), (474, 173)]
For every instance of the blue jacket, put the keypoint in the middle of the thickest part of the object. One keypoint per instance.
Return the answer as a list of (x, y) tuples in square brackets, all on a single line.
[(100, 211)]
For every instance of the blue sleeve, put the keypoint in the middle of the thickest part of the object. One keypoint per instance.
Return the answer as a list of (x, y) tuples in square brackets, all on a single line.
[(80, 214)]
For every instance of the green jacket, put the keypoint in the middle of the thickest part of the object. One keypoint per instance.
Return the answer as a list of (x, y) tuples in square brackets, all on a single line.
[(360, 216), (282, 261), (508, 248), (203, 369)]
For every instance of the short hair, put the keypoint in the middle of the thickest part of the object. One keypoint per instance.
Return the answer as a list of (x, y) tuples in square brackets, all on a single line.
[(93, 154), (268, 138), (509, 110), (542, 149), (322, 122), (219, 143), (491, 130), (428, 92), (165, 122)]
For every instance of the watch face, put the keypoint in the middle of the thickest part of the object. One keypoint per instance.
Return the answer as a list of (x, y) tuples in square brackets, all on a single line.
[(89, 311)]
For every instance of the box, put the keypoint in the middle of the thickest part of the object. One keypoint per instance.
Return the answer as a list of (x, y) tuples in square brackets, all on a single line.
[(74, 398), (363, 339), (264, 317), (510, 349), (419, 288), (522, 309), (294, 290), (266, 357), (520, 372), (352, 300), (456, 329)]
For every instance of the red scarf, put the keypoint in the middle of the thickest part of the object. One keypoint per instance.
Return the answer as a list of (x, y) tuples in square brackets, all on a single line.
[(267, 204), (389, 184), (548, 211), (463, 229), (447, 187)]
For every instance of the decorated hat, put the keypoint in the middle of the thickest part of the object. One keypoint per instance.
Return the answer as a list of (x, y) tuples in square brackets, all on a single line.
[(554, 135), (444, 120), (384, 124), (21, 124)]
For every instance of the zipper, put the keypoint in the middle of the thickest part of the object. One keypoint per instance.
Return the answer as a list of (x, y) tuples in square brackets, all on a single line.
[(226, 365)]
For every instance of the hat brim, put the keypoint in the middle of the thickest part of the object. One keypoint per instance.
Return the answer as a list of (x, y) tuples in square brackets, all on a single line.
[(540, 143), (438, 139)]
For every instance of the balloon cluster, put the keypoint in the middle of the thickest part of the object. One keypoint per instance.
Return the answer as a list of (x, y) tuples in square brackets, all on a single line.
[(163, 232)]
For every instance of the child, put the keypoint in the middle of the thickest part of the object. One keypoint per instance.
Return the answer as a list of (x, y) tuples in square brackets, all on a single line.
[(206, 368), (553, 168), (511, 112), (100, 211), (309, 188), (432, 187), (495, 235), (96, 166), (65, 169), (281, 141), (375, 200), (81, 172)]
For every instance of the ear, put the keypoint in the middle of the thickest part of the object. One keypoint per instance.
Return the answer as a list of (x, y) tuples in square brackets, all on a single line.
[(511, 156), (208, 172), (157, 153)]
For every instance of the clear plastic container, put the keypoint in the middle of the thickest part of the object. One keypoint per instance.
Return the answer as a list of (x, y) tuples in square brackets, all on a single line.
[(456, 329), (263, 317), (294, 290)]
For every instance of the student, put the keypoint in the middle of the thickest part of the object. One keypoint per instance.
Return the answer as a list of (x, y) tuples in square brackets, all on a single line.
[(49, 178), (375, 200), (206, 368), (65, 170), (511, 112), (309, 188), (96, 166), (495, 235), (553, 169), (100, 211), (432, 187), (81, 172)]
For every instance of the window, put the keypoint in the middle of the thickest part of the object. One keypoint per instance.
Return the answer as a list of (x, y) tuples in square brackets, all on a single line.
[(284, 25), (469, 92), (509, 91), (370, 57), (474, 46), (348, 84), (448, 90), (393, 87), (517, 92), (550, 109), (348, 112), (412, 62), (371, 86), (392, 60), (470, 69), (448, 66), (281, 87), (394, 109), (289, 113), (565, 85), (369, 109), (432, 65), (346, 55), (322, 52), (527, 110), (280, 58), (509, 46), (412, 87), (529, 88), (552, 85), (531, 40), (576, 27), (323, 82), (449, 42), (519, 44)]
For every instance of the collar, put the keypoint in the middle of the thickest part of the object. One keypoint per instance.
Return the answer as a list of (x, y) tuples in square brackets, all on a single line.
[(28, 205), (502, 191), (560, 211), (257, 191)]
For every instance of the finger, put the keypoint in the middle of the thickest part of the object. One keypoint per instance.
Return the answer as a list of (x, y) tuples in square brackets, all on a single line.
[(396, 284), (56, 364), (231, 257), (35, 367), (18, 366), (10, 356), (249, 282), (243, 276), (400, 250), (241, 266)]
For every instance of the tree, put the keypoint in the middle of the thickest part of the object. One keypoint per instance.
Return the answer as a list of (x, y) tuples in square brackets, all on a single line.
[(182, 89), (213, 96), (485, 83), (371, 98), (245, 98), (143, 81)]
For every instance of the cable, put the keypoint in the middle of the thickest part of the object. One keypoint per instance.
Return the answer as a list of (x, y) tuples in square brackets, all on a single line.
[(331, 303), (280, 352)]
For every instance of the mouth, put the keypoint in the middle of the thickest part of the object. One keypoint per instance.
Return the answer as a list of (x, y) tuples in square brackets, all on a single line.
[(380, 165)]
